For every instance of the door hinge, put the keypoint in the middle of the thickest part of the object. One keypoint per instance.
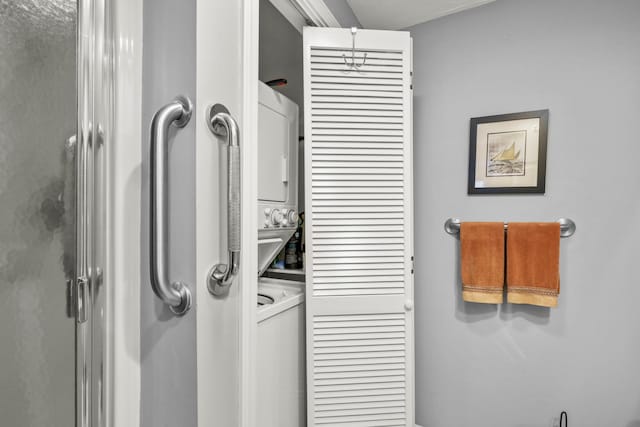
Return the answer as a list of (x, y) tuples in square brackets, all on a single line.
[(77, 298), (411, 80), (413, 266)]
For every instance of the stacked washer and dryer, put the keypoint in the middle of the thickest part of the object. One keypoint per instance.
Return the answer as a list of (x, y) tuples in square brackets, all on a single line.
[(281, 316)]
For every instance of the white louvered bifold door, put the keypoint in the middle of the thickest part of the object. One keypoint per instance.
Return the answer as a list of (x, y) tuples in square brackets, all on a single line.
[(359, 226)]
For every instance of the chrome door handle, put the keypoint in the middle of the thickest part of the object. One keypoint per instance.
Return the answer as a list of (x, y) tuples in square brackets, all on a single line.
[(176, 295), (221, 123), (69, 236), (83, 280)]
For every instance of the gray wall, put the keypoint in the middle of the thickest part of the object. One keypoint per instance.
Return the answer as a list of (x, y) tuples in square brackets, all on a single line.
[(168, 343), (343, 13), (510, 365)]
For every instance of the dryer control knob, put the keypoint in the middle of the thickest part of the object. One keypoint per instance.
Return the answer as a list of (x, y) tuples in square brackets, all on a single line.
[(276, 217), (292, 218), (267, 218)]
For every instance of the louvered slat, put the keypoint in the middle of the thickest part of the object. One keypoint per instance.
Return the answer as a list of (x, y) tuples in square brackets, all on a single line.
[(353, 376)]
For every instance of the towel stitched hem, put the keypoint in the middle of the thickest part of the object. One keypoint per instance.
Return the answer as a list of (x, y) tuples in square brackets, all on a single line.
[(473, 288), (527, 289), (532, 299)]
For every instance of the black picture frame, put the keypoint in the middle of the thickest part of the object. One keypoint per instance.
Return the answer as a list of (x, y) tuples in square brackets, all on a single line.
[(510, 169)]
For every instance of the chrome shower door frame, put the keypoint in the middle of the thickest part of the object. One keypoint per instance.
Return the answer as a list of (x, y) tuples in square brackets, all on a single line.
[(94, 76)]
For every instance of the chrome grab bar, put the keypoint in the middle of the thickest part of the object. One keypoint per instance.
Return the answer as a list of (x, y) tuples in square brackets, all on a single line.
[(177, 295), (221, 123)]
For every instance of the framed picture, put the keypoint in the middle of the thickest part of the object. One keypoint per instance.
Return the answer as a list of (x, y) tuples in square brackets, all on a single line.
[(508, 153)]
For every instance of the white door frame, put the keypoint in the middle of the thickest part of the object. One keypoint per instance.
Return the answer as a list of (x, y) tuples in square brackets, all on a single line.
[(124, 180), (249, 289), (299, 13)]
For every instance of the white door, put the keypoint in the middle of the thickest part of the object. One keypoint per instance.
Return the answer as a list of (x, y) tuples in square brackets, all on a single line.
[(222, 78), (359, 227)]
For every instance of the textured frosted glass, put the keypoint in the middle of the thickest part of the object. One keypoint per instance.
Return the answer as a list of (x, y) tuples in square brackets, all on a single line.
[(37, 116)]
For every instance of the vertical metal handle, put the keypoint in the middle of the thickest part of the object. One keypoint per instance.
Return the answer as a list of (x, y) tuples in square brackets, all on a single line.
[(69, 235), (176, 295), (221, 123), (84, 220)]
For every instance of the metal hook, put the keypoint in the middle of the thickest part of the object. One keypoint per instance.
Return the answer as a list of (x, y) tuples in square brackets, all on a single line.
[(353, 64)]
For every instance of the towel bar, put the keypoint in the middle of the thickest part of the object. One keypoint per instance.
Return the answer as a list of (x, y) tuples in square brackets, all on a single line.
[(567, 226)]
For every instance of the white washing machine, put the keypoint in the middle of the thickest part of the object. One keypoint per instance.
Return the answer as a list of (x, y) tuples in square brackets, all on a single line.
[(281, 354), (281, 315)]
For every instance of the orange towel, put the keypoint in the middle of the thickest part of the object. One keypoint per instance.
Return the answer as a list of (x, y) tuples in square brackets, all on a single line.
[(482, 259), (533, 263)]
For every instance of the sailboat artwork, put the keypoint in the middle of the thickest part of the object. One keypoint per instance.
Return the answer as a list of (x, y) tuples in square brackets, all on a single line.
[(506, 153)]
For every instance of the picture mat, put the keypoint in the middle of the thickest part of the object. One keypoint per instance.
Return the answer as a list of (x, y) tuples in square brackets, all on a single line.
[(530, 176)]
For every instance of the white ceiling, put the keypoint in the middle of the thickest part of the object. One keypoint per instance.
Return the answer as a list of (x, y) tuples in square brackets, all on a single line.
[(398, 14)]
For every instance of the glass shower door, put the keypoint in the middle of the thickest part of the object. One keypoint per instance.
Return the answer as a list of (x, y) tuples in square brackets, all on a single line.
[(38, 117)]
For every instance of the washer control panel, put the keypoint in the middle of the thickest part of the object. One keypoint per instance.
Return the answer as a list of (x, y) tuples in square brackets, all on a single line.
[(274, 217)]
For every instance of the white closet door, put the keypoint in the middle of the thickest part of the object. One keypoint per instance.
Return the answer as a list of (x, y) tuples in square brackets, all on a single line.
[(359, 222)]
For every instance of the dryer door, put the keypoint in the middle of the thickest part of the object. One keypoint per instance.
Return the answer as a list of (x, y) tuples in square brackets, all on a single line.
[(277, 147)]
